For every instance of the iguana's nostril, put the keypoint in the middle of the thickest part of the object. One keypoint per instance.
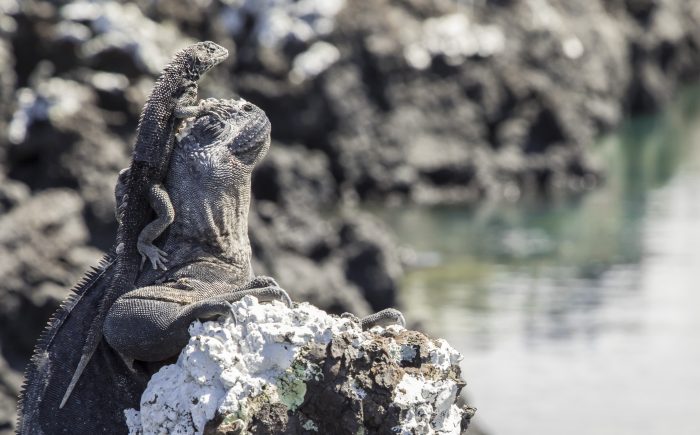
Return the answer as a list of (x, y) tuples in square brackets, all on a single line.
[(248, 107)]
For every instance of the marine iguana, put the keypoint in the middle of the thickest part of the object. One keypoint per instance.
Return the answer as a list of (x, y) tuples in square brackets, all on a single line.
[(174, 96), (208, 186)]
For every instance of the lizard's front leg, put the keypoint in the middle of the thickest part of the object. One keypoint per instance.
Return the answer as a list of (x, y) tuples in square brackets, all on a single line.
[(161, 204), (186, 106), (151, 323)]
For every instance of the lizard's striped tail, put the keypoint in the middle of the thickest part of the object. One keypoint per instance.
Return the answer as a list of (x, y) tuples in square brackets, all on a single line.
[(84, 360), (91, 343)]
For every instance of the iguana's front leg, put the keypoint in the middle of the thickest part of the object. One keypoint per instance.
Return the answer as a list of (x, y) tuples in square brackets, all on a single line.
[(160, 202), (151, 323)]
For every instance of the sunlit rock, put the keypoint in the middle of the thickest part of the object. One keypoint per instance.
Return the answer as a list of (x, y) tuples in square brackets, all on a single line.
[(272, 368)]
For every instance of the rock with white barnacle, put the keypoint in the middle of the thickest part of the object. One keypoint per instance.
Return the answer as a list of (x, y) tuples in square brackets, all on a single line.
[(272, 369)]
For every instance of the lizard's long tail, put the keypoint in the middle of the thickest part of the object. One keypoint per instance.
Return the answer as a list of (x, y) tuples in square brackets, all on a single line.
[(120, 284), (136, 216), (92, 341), (84, 360)]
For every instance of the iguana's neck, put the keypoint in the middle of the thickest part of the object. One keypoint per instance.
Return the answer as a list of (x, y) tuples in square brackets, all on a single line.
[(213, 217)]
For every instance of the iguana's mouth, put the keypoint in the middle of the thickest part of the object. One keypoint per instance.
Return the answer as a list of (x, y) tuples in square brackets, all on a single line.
[(253, 135)]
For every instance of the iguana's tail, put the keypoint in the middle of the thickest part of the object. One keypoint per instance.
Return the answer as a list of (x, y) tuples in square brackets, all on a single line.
[(92, 341), (123, 279), (136, 215), (95, 332), (36, 378)]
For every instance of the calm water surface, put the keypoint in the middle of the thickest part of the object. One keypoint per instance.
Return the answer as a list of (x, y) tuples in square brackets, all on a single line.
[(579, 316)]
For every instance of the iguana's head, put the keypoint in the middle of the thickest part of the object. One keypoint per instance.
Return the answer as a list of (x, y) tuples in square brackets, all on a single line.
[(201, 57), (233, 128)]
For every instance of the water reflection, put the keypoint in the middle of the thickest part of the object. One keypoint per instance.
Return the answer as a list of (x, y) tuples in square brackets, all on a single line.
[(576, 316)]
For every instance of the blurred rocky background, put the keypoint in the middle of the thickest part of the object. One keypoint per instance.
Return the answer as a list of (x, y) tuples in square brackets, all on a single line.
[(372, 102)]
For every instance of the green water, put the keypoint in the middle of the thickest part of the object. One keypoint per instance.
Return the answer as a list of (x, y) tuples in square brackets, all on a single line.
[(577, 316)]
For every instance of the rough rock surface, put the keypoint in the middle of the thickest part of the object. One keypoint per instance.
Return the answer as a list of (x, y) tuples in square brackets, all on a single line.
[(272, 369), (432, 101)]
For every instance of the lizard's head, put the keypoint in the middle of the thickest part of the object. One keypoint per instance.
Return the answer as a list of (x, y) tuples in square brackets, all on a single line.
[(201, 57), (235, 126)]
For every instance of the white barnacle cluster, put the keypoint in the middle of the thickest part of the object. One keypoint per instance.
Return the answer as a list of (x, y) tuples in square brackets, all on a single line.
[(227, 363), (428, 405), (232, 366)]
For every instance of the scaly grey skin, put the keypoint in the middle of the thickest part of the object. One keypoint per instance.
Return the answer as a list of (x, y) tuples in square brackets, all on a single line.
[(173, 97), (208, 186)]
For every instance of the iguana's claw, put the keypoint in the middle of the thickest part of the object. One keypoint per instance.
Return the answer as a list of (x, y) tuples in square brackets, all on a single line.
[(158, 257), (284, 297), (268, 294), (233, 312), (389, 316), (265, 294), (261, 281)]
